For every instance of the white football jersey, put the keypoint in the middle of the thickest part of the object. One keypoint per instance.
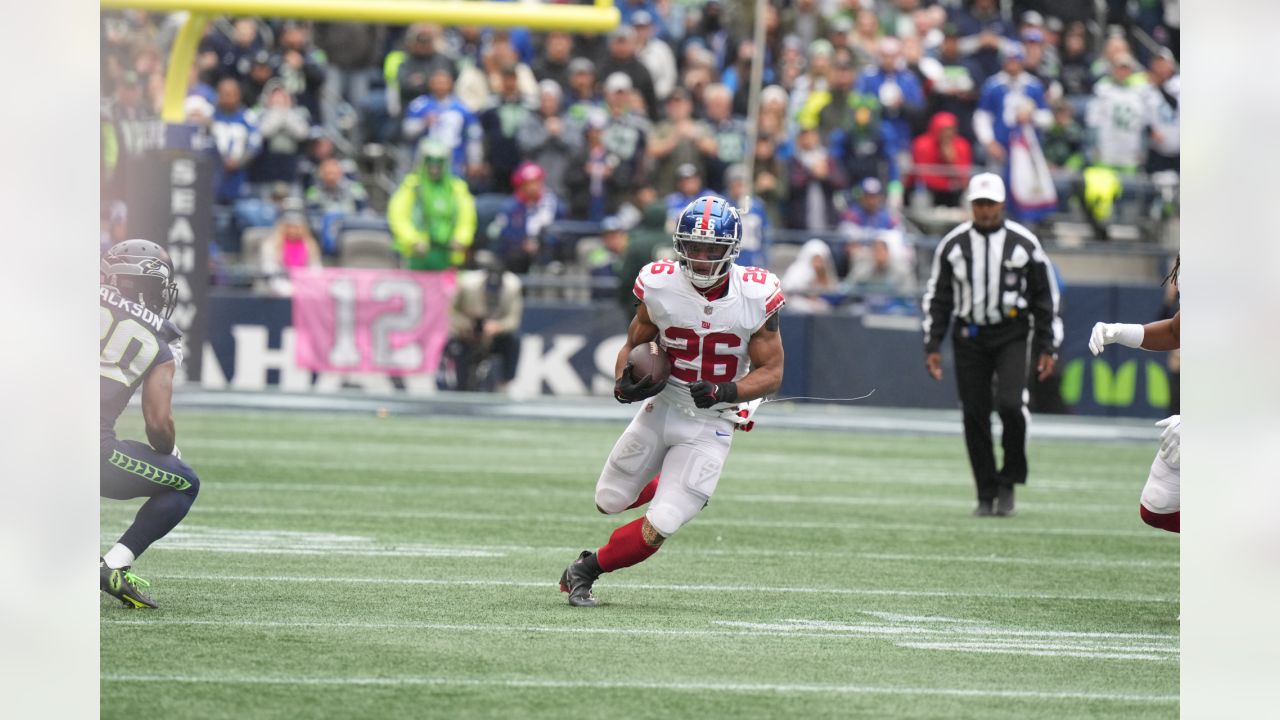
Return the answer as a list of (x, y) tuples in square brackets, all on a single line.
[(706, 339)]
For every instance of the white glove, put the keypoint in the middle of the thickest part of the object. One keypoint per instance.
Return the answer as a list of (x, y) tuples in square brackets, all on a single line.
[(1171, 440), (1106, 333)]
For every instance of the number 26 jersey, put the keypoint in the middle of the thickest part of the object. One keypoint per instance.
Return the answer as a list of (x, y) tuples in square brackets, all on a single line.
[(706, 339)]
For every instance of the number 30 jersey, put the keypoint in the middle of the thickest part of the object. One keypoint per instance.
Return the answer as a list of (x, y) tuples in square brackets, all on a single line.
[(133, 340), (706, 339)]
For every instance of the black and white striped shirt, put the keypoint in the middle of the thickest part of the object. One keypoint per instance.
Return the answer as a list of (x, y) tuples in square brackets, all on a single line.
[(990, 279)]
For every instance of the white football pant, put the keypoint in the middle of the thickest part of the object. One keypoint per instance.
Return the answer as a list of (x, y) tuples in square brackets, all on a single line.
[(1161, 493), (688, 451)]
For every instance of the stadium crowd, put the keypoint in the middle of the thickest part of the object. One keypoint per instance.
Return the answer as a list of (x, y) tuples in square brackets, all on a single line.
[(452, 139)]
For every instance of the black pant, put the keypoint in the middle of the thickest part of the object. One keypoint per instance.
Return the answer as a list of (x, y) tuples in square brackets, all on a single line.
[(467, 355), (130, 469), (981, 353)]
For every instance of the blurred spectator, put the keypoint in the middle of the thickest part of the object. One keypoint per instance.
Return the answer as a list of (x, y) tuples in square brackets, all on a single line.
[(283, 128), (677, 141), (810, 277), (261, 71), (546, 140), (830, 109), (862, 150), (655, 54), (773, 114), (1012, 109), (952, 79), (699, 72), (290, 246), (770, 180), (478, 84), (583, 95), (443, 118), (234, 56), (882, 269), (1117, 119), (484, 322), (409, 71), (604, 263), (865, 35), (806, 20), (1115, 48), (689, 187), (590, 176), (812, 181), (553, 63), (622, 59), (897, 17), (1064, 141), (237, 141), (625, 135), (353, 51), (754, 250), (943, 161), (868, 216), (1162, 98), (1043, 66), (499, 124), (301, 67), (983, 32), (816, 77), (432, 215), (729, 132), (332, 198), (647, 241), (713, 33), (897, 108), (1075, 73), (517, 232)]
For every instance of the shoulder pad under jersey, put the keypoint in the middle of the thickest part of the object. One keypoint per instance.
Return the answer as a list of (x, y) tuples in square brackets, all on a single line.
[(761, 286), (656, 276)]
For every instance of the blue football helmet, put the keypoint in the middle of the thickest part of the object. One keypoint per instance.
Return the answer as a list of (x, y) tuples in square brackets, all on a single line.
[(707, 239)]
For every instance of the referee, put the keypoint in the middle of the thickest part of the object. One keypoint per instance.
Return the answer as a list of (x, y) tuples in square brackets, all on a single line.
[(992, 276)]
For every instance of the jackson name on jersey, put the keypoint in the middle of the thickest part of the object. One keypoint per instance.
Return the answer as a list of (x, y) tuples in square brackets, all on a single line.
[(706, 339)]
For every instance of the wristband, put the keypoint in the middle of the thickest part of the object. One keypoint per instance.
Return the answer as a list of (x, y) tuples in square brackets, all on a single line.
[(1129, 334)]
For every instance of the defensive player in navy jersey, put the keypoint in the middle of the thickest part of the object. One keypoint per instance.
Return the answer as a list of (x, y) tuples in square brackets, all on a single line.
[(139, 346)]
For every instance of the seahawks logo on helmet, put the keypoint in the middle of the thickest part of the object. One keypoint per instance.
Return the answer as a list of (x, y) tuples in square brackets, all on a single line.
[(142, 271), (707, 240)]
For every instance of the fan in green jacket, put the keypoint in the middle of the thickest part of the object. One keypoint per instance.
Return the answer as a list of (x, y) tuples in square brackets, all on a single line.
[(432, 214)]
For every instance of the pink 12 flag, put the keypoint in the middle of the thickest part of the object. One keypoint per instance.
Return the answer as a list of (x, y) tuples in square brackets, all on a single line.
[(358, 320)]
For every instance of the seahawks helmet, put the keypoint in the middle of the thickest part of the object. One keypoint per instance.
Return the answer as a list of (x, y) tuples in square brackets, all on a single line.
[(708, 233), (142, 271)]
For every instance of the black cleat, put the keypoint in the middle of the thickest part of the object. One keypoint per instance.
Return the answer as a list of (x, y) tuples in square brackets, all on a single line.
[(123, 585), (576, 580), (1004, 501), (984, 509)]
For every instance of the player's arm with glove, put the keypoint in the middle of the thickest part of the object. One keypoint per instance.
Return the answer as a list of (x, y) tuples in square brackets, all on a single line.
[(625, 388), (765, 351), (1159, 335)]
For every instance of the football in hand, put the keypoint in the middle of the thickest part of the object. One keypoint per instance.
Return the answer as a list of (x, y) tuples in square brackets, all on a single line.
[(649, 362)]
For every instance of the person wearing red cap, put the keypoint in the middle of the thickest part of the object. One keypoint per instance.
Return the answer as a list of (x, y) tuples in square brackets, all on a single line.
[(942, 160), (516, 233)]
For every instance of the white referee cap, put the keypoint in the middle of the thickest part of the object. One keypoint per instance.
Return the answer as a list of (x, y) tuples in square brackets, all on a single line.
[(986, 186)]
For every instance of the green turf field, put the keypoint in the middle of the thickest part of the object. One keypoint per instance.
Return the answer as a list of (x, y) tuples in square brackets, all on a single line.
[(357, 567)]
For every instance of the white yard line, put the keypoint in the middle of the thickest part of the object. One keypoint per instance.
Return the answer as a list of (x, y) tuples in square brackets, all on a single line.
[(874, 592), (989, 528), (285, 543), (557, 684), (924, 638)]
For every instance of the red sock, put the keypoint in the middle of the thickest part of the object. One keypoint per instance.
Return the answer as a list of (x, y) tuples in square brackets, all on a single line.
[(646, 494), (1164, 521), (625, 548)]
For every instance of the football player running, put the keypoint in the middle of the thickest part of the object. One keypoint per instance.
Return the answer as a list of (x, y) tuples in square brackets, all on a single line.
[(719, 325), (1160, 505), (139, 346)]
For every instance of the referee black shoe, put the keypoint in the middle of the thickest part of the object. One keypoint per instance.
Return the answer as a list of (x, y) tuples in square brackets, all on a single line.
[(984, 508), (1004, 501)]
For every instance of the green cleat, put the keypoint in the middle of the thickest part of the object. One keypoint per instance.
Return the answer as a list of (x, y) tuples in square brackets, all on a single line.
[(122, 584)]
